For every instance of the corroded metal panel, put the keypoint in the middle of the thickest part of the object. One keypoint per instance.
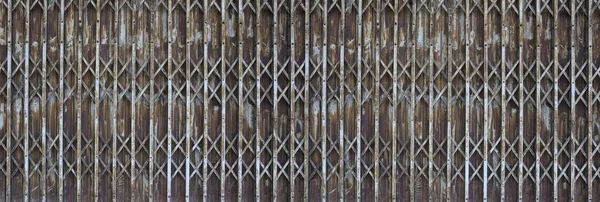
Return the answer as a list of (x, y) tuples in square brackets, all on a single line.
[(299, 100)]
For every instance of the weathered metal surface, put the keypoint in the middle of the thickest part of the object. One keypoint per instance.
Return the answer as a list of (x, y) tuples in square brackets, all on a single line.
[(299, 100)]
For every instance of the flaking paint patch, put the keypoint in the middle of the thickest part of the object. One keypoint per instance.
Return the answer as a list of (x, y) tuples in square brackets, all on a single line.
[(123, 33), (249, 29), (349, 100), (546, 113), (51, 99), (420, 36), (52, 40), (140, 43), (198, 36), (496, 39), (173, 34), (316, 51), (548, 31), (402, 37), (2, 40), (209, 32), (332, 108), (35, 105), (230, 28), (249, 114), (528, 30), (18, 47), (17, 105), (104, 36), (351, 49), (472, 36), (315, 107), (438, 43), (92, 110), (2, 116)]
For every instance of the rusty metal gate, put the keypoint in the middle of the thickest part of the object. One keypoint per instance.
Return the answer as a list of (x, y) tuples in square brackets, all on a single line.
[(303, 100)]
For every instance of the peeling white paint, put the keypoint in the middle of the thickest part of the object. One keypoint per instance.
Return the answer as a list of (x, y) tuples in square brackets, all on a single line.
[(140, 43), (2, 116), (250, 29), (438, 44), (104, 37), (17, 106), (332, 108), (198, 36), (546, 113), (420, 36), (528, 30), (249, 114), (315, 107), (548, 32), (2, 40), (496, 39), (208, 32), (123, 33), (230, 28), (34, 105)]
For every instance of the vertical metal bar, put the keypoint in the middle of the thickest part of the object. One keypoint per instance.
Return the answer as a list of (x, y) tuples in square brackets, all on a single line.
[(538, 100), (152, 99), (170, 98), (504, 78), (258, 98), (134, 99), (292, 100), (26, 107), (412, 102), (61, 132), (394, 104), (96, 101), (555, 138), (486, 107), (114, 107), (240, 148), (223, 99), (342, 102), (79, 94), (573, 75), (590, 103), (276, 128), (44, 99), (323, 115), (359, 90), (377, 101), (467, 97), (188, 117), (9, 101), (306, 92), (521, 101), (432, 9), (205, 107), (449, 134)]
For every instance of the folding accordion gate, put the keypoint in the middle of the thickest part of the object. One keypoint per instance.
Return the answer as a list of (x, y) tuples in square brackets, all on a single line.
[(299, 100)]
